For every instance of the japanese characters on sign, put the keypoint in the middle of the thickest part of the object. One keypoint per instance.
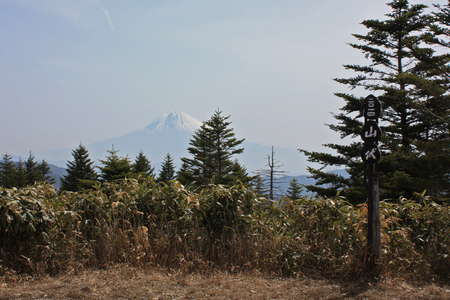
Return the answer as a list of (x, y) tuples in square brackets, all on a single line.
[(371, 133), (371, 153), (372, 107)]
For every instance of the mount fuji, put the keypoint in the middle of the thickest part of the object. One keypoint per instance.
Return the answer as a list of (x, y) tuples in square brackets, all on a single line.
[(171, 134)]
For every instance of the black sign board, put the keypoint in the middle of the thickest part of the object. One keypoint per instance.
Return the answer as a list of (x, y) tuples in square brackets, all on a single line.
[(372, 107), (371, 133)]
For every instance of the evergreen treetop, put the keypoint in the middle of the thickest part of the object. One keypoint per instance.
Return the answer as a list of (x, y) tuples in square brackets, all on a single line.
[(8, 172), (32, 170), (295, 189), (238, 175), (44, 172), (80, 171), (212, 148), (167, 172), (258, 186), (115, 167), (185, 174), (142, 165), (21, 175)]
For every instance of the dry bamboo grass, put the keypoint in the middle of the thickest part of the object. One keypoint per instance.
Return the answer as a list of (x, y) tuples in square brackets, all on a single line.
[(142, 223)]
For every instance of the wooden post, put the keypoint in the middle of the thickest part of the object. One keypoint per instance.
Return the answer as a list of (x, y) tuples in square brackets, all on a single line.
[(371, 134), (373, 220)]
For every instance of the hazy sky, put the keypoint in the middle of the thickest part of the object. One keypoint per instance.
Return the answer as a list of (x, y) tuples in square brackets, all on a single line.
[(87, 70)]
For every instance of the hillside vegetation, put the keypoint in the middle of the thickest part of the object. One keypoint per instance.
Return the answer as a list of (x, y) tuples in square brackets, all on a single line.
[(141, 222)]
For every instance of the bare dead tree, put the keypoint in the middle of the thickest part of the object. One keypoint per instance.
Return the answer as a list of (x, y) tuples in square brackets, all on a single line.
[(271, 176)]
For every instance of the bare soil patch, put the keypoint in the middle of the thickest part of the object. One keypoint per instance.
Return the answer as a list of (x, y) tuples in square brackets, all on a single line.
[(123, 282)]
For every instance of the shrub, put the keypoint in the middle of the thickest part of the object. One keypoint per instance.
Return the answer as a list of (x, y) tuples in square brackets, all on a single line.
[(139, 221)]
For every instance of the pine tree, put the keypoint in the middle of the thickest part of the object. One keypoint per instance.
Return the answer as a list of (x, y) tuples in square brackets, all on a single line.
[(115, 167), (32, 171), (7, 172), (212, 148), (80, 171), (238, 175), (295, 189), (167, 172), (431, 81), (44, 173), (21, 175), (391, 46), (185, 174), (142, 165), (258, 186)]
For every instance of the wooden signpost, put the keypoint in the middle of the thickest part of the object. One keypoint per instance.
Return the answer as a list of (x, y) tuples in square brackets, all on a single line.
[(371, 134)]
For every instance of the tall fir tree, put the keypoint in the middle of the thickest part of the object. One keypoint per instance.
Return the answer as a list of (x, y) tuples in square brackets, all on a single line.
[(21, 174), (32, 171), (185, 174), (167, 172), (142, 165), (238, 175), (431, 81), (391, 45), (8, 172), (197, 171), (294, 190), (80, 171), (115, 167), (258, 186), (212, 148), (44, 172)]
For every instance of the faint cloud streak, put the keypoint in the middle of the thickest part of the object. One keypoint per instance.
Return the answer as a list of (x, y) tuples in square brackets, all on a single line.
[(108, 18)]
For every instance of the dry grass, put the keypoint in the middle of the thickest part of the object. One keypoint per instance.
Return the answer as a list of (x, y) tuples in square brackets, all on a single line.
[(217, 229), (123, 282)]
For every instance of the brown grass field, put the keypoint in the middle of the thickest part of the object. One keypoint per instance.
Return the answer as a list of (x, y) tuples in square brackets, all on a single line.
[(123, 282)]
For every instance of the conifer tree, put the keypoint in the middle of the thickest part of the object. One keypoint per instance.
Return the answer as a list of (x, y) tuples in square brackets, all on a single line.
[(32, 171), (391, 45), (185, 174), (115, 167), (80, 171), (238, 175), (431, 81), (258, 186), (142, 165), (7, 172), (44, 173), (212, 148), (36, 172), (295, 189), (167, 172), (21, 175)]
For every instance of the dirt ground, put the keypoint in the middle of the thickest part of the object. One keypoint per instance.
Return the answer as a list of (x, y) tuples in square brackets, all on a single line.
[(122, 282)]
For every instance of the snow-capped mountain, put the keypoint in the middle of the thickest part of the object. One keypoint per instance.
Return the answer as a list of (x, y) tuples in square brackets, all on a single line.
[(180, 121), (171, 133)]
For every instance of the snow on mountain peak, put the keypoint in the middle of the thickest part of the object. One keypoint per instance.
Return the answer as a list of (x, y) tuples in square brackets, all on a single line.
[(176, 120)]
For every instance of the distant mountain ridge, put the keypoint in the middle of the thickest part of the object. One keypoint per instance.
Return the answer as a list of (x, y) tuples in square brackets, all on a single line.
[(171, 134), (57, 174), (304, 180)]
